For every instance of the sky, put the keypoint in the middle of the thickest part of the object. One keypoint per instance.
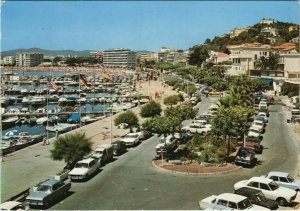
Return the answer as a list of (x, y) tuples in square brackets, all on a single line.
[(138, 25)]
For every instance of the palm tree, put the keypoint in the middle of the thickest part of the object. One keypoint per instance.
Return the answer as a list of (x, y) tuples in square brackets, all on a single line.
[(71, 148)]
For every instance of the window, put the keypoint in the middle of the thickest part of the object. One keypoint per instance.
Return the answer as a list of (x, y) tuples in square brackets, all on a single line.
[(264, 186), (253, 184), (232, 205), (274, 178), (283, 179), (222, 202)]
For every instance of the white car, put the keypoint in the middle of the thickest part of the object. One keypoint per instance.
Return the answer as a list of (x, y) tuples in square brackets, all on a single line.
[(283, 179), (83, 169), (228, 201), (258, 126), (197, 128), (131, 139), (263, 115), (13, 205), (254, 132), (270, 189)]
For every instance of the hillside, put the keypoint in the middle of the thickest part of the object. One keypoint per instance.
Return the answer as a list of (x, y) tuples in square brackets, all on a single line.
[(275, 33), (47, 52)]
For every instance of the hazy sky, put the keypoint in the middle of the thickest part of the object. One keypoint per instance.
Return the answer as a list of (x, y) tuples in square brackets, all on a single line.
[(145, 25)]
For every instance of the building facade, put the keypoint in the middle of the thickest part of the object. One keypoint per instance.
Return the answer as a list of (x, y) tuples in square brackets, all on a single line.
[(290, 63), (268, 21), (28, 59), (98, 55), (9, 60), (149, 56), (119, 57), (236, 31), (244, 56)]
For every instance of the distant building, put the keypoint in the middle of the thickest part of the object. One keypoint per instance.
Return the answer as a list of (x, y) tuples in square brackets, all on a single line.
[(294, 28), (267, 21), (269, 30), (290, 64), (98, 55), (217, 57), (148, 56), (173, 56), (285, 48), (236, 31), (28, 59), (9, 60), (119, 57), (244, 56)]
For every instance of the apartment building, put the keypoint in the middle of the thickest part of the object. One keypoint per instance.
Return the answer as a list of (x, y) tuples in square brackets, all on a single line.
[(285, 48), (28, 59), (148, 56), (268, 21), (173, 56), (119, 57), (217, 57), (290, 63), (244, 56), (9, 60), (98, 55)]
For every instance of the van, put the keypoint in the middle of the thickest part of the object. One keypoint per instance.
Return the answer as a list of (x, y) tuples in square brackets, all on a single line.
[(103, 153)]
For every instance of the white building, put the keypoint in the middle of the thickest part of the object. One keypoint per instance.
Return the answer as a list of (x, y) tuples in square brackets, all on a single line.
[(148, 56), (236, 31), (291, 65), (119, 57), (267, 21), (217, 57), (173, 56), (9, 60), (28, 59), (244, 56)]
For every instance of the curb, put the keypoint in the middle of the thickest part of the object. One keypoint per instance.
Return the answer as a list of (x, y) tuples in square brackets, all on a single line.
[(195, 174)]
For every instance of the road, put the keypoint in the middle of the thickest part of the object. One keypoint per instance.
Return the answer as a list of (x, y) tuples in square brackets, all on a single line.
[(131, 182)]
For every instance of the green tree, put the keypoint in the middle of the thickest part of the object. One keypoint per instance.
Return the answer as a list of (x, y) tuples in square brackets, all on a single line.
[(199, 55), (230, 122), (171, 100), (289, 89), (180, 112), (158, 125), (127, 117), (151, 109), (71, 148)]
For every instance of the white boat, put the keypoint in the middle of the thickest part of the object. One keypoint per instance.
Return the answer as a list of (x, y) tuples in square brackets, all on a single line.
[(54, 110), (61, 127), (88, 119), (82, 100), (51, 91), (9, 121), (102, 99), (4, 100), (13, 111), (10, 134), (25, 110), (37, 100), (41, 111), (62, 100), (53, 98), (24, 91), (93, 100), (41, 120)]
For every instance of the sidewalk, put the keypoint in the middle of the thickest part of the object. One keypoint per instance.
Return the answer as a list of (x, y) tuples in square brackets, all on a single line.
[(25, 168)]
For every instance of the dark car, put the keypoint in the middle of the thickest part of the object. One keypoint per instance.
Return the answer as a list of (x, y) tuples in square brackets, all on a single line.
[(257, 197), (245, 156), (119, 147)]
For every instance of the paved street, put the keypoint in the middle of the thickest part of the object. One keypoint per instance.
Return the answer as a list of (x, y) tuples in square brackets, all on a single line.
[(131, 182)]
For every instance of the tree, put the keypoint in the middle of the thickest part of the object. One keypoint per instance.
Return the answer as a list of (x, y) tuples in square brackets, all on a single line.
[(151, 109), (171, 100), (290, 89), (181, 112), (127, 117), (71, 148), (230, 122), (158, 125), (199, 55)]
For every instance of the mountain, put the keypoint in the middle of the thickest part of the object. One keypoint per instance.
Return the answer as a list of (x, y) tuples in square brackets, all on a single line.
[(47, 52)]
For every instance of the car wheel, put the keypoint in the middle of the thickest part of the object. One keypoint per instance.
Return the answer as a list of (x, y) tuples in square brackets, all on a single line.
[(281, 201)]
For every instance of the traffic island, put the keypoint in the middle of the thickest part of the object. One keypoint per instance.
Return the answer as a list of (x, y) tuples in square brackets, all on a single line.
[(194, 168)]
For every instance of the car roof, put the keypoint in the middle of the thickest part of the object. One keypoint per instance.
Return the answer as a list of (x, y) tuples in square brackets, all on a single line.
[(231, 196), (88, 160), (248, 190), (9, 205), (278, 173), (260, 179), (104, 146), (50, 182)]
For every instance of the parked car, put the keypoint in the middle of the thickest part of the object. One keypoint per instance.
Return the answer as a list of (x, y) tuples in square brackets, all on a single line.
[(263, 115), (228, 201), (245, 156), (197, 128), (214, 92), (265, 111), (254, 143), (45, 193), (283, 179), (131, 139), (257, 197), (119, 147), (13, 205), (166, 145), (103, 154), (270, 189), (254, 132), (84, 169)]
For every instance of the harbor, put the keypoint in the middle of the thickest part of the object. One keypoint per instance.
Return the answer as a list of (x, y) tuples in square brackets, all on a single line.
[(48, 104)]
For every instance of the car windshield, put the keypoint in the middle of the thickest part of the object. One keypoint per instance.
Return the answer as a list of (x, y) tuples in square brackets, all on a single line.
[(43, 188), (245, 204), (81, 165), (260, 197), (273, 185), (290, 178)]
